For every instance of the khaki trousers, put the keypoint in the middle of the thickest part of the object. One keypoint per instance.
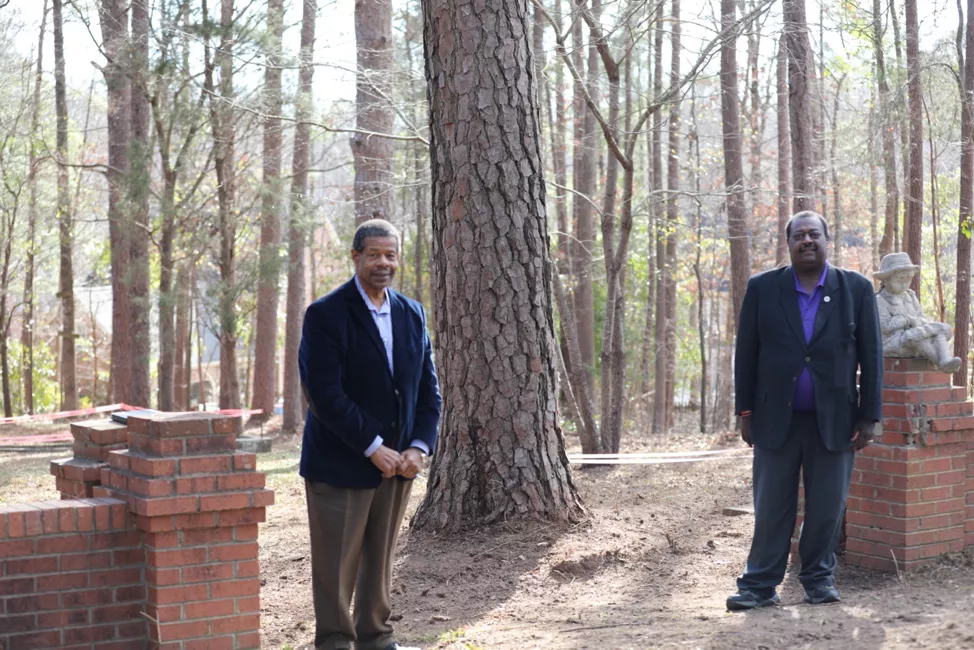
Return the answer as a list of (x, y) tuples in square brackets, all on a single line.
[(353, 539)]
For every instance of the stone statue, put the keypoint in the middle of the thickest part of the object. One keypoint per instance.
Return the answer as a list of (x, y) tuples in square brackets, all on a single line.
[(906, 331)]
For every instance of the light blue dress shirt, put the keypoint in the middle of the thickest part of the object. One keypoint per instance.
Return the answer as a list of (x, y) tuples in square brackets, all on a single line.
[(382, 316)]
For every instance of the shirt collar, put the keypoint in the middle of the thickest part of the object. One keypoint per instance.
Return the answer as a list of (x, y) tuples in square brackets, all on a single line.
[(798, 285), (386, 308)]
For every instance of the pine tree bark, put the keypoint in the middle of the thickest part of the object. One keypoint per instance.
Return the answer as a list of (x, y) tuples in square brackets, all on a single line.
[(963, 285), (502, 454), (733, 165), (800, 104), (887, 122), (114, 20), (373, 155), (672, 215), (268, 292), (662, 264), (784, 156), (224, 134), (139, 182), (27, 329), (914, 206), (69, 382), (297, 230), (583, 181)]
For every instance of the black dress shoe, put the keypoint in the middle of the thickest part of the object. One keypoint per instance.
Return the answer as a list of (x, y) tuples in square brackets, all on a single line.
[(744, 600), (822, 595)]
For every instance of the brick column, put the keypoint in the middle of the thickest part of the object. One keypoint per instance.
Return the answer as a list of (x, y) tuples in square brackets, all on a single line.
[(909, 493), (198, 502), (77, 477)]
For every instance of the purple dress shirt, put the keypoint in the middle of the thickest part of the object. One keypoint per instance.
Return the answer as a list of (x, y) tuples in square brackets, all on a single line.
[(804, 399)]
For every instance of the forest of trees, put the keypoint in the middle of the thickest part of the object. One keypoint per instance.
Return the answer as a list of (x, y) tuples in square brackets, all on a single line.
[(584, 186)]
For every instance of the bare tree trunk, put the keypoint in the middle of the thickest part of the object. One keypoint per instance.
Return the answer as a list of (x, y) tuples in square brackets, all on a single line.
[(733, 165), (963, 289), (886, 125), (27, 329), (297, 235), (914, 207), (784, 155), (836, 202), (113, 17), (935, 218), (662, 263), (69, 383), (502, 454), (140, 152), (268, 293), (696, 168), (672, 215), (645, 376), (584, 184), (900, 237), (224, 134), (873, 181), (800, 104), (181, 360), (373, 155)]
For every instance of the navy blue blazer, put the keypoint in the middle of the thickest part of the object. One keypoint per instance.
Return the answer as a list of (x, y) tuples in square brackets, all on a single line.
[(352, 395), (772, 352)]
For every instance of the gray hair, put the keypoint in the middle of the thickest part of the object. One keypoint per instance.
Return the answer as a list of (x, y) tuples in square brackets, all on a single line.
[(373, 228)]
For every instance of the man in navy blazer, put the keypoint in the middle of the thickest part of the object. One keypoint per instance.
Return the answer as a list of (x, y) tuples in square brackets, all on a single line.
[(804, 332), (373, 409)]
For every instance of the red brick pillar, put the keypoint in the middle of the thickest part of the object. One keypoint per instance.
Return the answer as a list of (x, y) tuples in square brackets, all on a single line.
[(76, 477), (909, 490), (198, 502)]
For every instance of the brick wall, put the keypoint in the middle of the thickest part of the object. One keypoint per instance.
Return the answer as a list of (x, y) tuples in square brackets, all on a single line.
[(909, 493), (164, 556), (71, 576)]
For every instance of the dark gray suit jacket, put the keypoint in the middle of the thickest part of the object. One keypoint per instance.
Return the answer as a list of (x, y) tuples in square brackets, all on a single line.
[(772, 352)]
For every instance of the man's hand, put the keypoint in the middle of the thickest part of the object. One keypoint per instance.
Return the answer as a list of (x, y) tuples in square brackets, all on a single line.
[(746, 430), (387, 460), (863, 433), (410, 462)]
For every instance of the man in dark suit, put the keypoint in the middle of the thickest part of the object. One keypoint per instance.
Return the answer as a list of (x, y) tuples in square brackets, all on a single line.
[(804, 332), (373, 408)]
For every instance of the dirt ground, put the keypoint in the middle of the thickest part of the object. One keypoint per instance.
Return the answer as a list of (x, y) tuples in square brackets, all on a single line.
[(650, 568)]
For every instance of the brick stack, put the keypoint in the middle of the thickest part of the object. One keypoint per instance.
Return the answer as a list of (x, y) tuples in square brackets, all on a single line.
[(198, 501), (909, 493), (71, 576), (76, 477)]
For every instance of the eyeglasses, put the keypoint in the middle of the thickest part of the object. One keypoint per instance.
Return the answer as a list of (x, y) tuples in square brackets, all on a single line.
[(800, 235)]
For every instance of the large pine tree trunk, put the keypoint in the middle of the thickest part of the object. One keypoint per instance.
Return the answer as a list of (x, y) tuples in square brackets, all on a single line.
[(733, 165), (139, 183), (297, 230), (69, 383), (914, 206), (887, 122), (113, 17), (502, 453), (268, 292), (800, 105), (373, 155), (784, 156), (27, 329), (962, 310)]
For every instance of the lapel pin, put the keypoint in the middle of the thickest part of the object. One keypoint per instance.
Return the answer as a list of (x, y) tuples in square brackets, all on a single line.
[(826, 299)]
